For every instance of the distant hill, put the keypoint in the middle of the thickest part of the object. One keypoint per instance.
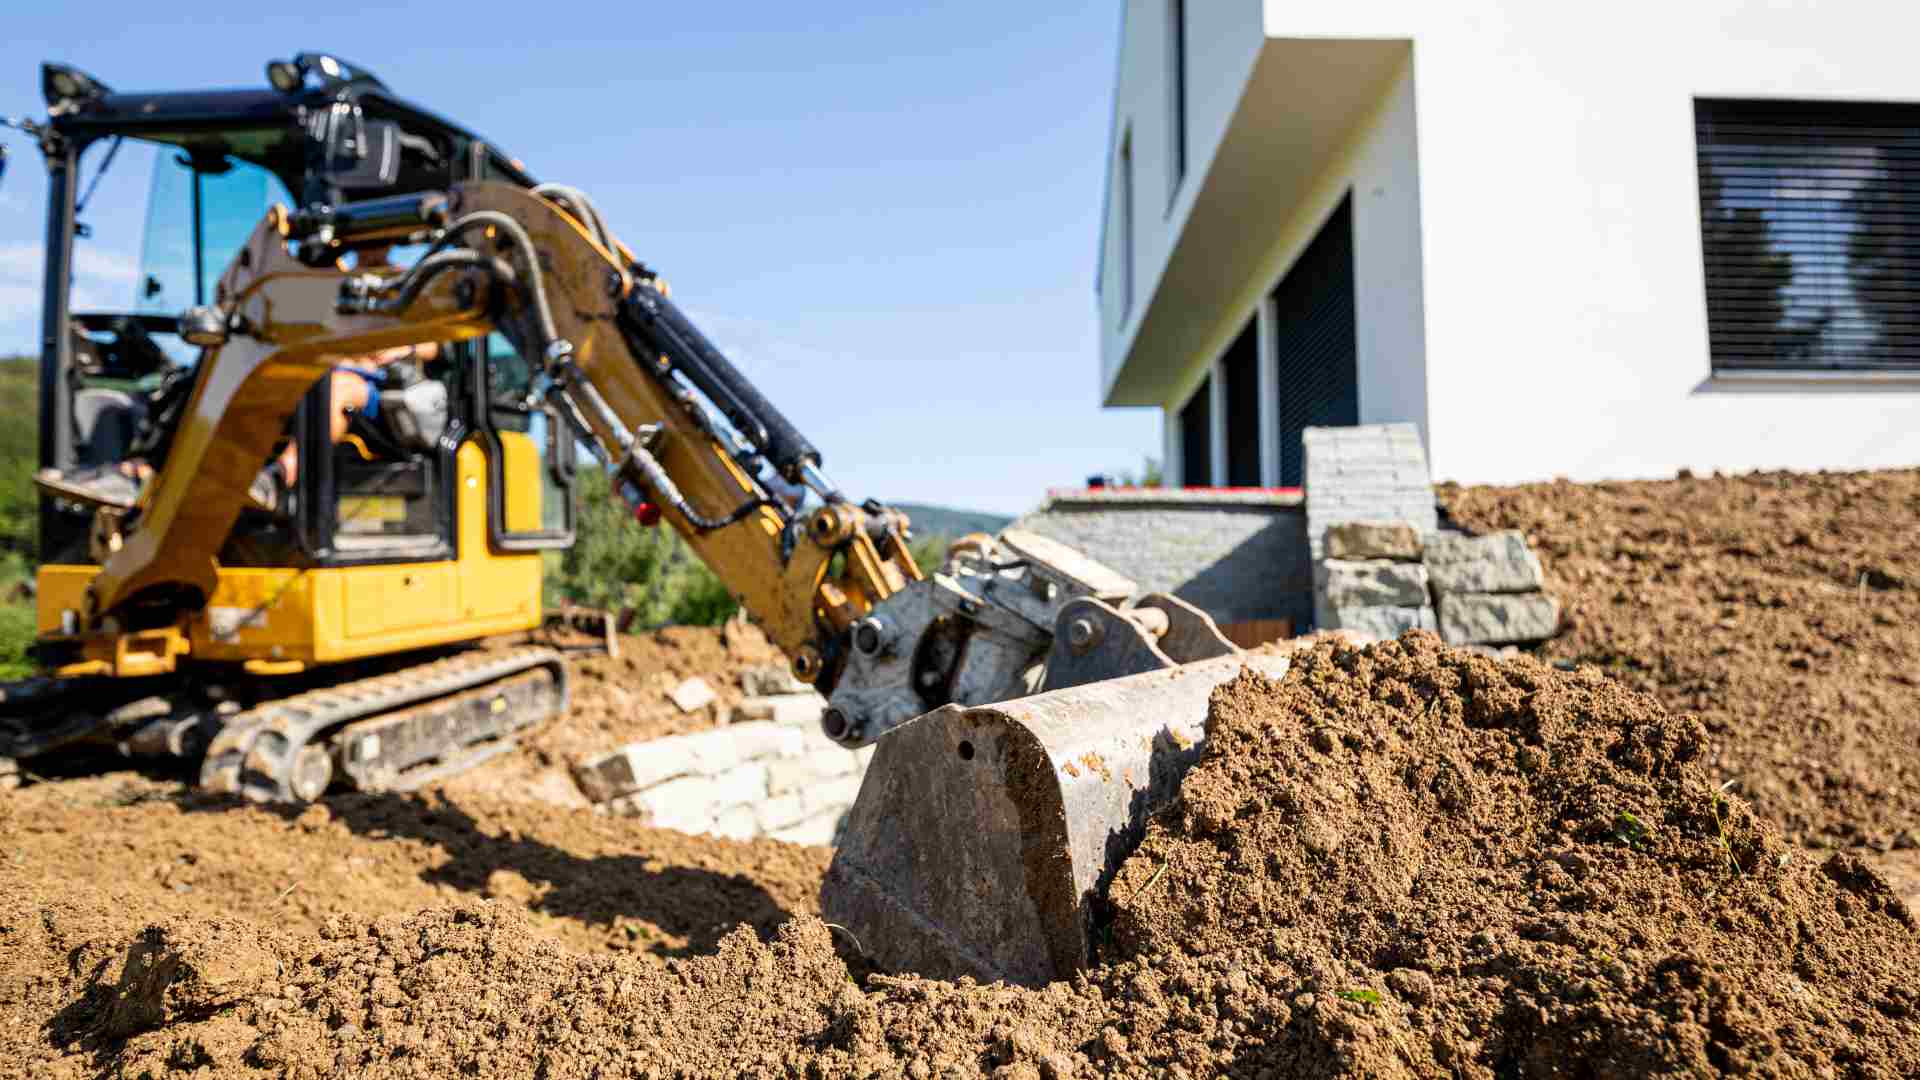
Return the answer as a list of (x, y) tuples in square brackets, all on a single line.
[(948, 522)]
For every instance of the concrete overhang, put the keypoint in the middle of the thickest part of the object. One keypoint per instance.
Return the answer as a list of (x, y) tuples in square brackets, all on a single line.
[(1304, 100)]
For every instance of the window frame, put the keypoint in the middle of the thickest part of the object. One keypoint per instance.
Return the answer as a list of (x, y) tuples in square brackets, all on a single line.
[(1124, 248), (1176, 99), (1753, 147)]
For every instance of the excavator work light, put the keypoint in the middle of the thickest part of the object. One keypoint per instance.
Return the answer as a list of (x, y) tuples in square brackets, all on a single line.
[(65, 87), (285, 75)]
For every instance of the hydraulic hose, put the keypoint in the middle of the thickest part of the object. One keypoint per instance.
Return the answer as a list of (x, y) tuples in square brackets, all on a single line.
[(430, 267), (664, 330), (653, 477), (514, 232)]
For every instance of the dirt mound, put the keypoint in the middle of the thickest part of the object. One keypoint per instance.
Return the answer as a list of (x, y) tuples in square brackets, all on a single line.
[(1427, 863), (1781, 608)]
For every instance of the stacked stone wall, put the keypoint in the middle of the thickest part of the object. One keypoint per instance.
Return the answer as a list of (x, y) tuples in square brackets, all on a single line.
[(770, 772)]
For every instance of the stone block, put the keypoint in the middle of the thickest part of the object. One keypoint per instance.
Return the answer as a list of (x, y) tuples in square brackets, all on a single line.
[(638, 766), (626, 770), (779, 812), (685, 804), (769, 680), (693, 803), (735, 823), (692, 694), (740, 784), (818, 831), (763, 739), (794, 710), (1497, 563), (1498, 619), (829, 794), (1382, 621), (1373, 540), (786, 777), (1373, 583)]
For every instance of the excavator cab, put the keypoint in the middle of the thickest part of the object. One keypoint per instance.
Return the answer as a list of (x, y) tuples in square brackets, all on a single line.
[(416, 532), (114, 377)]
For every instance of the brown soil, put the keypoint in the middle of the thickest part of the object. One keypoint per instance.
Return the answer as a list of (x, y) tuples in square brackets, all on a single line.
[(1403, 861), (1422, 862), (1782, 609)]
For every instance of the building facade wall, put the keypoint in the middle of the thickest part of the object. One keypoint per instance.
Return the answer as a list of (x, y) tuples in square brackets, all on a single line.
[(1379, 165), (1223, 39), (1529, 276)]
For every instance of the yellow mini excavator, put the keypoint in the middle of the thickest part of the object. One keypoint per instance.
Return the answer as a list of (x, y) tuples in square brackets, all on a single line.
[(1029, 710)]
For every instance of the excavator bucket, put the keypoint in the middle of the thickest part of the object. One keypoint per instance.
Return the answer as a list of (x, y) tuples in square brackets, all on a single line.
[(984, 837)]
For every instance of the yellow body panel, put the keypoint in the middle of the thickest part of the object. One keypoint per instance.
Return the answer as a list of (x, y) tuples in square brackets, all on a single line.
[(349, 612), (521, 465)]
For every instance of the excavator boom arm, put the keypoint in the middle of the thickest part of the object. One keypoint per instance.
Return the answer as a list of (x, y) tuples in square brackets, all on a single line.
[(677, 424)]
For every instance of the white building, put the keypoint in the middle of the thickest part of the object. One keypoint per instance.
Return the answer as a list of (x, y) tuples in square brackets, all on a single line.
[(1486, 218)]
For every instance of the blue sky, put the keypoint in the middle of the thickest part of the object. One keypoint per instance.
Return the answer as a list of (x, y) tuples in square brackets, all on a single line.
[(887, 215)]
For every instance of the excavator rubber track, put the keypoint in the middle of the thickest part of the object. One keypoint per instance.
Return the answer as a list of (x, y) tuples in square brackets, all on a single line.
[(391, 732)]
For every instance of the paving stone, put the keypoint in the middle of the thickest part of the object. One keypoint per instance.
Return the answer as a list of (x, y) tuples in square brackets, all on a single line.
[(735, 823), (1381, 622), (626, 770), (740, 784), (1489, 619), (685, 804), (779, 812), (1497, 563), (692, 694), (761, 739), (840, 792), (1373, 540), (1373, 583), (637, 766), (784, 777), (819, 831)]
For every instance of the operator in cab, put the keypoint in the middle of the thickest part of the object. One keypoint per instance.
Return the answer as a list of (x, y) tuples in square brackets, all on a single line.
[(354, 388)]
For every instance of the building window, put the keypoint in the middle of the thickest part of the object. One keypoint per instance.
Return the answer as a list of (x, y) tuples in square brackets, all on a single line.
[(1241, 365), (1176, 96), (1810, 229), (1123, 197), (1196, 437)]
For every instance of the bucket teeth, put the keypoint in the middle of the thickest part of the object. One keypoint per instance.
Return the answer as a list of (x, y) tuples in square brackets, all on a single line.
[(983, 837)]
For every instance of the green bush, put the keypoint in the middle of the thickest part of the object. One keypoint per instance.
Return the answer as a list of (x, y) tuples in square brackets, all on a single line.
[(19, 452), (19, 511), (617, 563)]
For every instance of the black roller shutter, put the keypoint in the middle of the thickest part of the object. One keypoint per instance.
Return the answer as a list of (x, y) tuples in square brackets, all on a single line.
[(1196, 437), (1318, 359), (1810, 228), (1242, 364)]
